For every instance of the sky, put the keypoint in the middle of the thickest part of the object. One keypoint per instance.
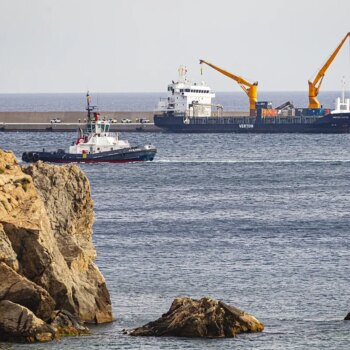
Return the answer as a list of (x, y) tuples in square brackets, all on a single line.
[(138, 45)]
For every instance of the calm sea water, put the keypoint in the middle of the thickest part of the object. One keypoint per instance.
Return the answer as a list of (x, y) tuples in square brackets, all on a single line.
[(258, 221), (143, 101)]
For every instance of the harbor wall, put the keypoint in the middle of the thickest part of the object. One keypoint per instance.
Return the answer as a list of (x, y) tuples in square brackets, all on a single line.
[(70, 121), (67, 117), (59, 127), (73, 117)]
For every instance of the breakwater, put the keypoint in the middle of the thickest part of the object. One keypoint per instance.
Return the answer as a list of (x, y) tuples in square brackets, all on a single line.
[(68, 117), (70, 121), (66, 127)]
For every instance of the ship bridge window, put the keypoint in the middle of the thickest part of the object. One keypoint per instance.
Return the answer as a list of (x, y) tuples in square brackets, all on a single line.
[(187, 90)]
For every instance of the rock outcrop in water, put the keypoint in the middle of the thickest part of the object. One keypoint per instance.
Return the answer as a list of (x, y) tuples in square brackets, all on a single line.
[(206, 317), (46, 251)]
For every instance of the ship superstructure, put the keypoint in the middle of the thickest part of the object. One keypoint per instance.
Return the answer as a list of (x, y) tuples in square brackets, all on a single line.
[(187, 98), (342, 105), (97, 138)]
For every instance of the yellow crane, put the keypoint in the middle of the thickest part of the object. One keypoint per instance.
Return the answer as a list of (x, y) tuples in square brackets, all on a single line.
[(251, 89), (314, 86)]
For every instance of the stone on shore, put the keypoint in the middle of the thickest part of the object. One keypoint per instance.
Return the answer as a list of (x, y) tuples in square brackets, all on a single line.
[(66, 324), (17, 323), (18, 289), (206, 318)]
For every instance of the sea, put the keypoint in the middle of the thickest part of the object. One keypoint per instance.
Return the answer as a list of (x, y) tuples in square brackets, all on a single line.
[(129, 102), (259, 221)]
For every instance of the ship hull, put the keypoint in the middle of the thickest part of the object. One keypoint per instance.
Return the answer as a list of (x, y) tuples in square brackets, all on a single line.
[(331, 123), (132, 154)]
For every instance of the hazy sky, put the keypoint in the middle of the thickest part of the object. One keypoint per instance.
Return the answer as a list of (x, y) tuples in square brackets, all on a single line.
[(137, 45)]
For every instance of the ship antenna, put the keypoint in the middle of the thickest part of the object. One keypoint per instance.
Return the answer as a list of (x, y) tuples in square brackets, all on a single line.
[(88, 108), (343, 89)]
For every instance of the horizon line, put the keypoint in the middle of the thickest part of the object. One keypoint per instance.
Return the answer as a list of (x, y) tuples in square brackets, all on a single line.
[(152, 92)]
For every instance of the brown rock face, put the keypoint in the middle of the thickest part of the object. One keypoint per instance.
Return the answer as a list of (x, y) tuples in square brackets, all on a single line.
[(46, 250), (65, 190), (17, 323), (19, 289), (7, 255), (200, 318)]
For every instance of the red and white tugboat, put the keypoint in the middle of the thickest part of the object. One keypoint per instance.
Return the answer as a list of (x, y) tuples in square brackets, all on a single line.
[(95, 145)]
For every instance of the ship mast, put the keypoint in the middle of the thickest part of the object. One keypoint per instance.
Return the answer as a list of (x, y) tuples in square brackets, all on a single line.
[(88, 107), (343, 83)]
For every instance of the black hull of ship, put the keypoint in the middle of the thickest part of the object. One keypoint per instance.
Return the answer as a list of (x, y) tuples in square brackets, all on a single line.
[(133, 154), (330, 124)]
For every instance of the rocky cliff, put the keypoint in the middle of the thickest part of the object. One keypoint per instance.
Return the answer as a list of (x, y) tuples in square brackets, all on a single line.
[(46, 250)]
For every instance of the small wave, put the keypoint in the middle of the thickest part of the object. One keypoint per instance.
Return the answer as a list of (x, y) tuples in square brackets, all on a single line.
[(253, 161)]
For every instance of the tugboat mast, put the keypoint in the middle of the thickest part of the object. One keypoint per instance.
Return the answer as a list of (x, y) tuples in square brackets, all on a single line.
[(88, 107)]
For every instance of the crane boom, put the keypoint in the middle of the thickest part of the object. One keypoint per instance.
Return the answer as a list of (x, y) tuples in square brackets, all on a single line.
[(251, 89), (314, 86)]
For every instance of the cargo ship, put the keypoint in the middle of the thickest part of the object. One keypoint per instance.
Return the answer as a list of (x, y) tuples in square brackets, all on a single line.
[(188, 108), (95, 144)]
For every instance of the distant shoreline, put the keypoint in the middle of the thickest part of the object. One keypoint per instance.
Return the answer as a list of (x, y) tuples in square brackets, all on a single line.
[(83, 93)]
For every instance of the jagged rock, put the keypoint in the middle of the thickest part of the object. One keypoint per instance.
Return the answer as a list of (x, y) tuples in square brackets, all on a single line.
[(46, 216), (17, 323), (19, 289), (67, 197), (347, 317), (200, 318), (65, 191), (7, 254), (66, 324)]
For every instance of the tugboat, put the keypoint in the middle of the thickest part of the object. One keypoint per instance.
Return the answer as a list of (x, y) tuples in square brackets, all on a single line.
[(96, 144)]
